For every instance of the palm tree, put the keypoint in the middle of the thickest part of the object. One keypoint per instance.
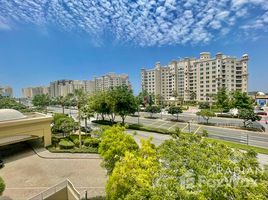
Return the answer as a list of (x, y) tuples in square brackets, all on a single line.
[(62, 101), (86, 113), (80, 98)]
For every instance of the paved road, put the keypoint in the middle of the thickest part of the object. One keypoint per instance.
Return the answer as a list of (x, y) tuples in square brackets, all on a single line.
[(241, 136), (160, 138), (236, 135)]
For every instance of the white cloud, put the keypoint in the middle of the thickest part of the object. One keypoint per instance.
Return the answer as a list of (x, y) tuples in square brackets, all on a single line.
[(142, 22)]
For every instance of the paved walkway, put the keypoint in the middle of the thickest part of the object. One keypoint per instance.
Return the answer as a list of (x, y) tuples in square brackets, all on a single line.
[(44, 153)]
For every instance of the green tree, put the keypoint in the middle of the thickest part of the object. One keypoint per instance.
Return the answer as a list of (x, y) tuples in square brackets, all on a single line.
[(152, 110), (41, 101), (141, 98), (63, 124), (206, 114), (193, 168), (81, 99), (248, 116), (192, 95), (2, 186), (134, 175), (99, 103), (63, 101), (125, 102), (222, 99), (9, 103), (114, 144), (174, 110), (241, 101), (86, 113)]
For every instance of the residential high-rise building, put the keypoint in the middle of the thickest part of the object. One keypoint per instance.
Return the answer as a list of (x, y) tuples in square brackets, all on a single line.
[(111, 80), (64, 87), (6, 91), (30, 92), (196, 78)]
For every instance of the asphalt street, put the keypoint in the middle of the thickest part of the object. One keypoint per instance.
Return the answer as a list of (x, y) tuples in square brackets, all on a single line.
[(257, 139)]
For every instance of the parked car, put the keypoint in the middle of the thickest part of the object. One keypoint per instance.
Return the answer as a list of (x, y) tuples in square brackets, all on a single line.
[(1, 164)]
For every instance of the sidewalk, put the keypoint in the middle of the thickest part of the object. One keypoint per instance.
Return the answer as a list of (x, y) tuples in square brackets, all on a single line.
[(44, 153)]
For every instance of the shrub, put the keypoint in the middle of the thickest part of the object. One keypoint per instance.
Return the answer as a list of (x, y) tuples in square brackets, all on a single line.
[(205, 133), (2, 186), (204, 105), (66, 144), (76, 142), (92, 142)]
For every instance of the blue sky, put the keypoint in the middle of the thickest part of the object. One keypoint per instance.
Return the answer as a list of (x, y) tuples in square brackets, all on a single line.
[(46, 40)]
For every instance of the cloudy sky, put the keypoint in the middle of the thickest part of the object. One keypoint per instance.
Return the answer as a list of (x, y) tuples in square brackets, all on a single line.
[(45, 40)]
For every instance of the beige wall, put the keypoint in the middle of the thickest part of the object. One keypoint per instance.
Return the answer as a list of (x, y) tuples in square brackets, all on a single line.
[(39, 126)]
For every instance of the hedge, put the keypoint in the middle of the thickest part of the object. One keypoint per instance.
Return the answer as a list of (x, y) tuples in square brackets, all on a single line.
[(65, 144)]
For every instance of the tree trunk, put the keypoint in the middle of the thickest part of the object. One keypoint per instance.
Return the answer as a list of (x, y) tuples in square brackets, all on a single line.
[(62, 109), (102, 116), (177, 117), (86, 123), (79, 125), (123, 119)]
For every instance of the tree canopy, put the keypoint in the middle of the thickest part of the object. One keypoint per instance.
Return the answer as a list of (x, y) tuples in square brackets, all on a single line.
[(206, 114), (174, 110), (241, 100), (248, 116), (41, 100), (222, 99), (2, 186), (152, 110), (185, 167), (114, 144)]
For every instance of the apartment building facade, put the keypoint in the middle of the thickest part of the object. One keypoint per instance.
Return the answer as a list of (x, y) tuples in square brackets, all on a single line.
[(196, 78), (111, 80), (6, 91), (64, 87), (31, 92)]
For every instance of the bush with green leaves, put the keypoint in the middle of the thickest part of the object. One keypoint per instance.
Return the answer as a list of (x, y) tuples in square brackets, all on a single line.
[(63, 124), (92, 142), (9, 103), (152, 110), (204, 105), (113, 146), (2, 186), (66, 144), (206, 114), (186, 167), (175, 110)]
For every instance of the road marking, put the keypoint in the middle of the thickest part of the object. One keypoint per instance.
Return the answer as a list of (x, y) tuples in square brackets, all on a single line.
[(184, 127), (162, 124), (172, 126), (153, 123), (197, 129)]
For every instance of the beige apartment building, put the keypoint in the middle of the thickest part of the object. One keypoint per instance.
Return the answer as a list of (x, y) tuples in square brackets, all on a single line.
[(30, 92), (6, 91), (64, 87), (196, 78), (111, 80)]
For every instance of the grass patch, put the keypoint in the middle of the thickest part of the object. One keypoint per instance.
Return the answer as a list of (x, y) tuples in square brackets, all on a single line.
[(239, 146), (149, 129)]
